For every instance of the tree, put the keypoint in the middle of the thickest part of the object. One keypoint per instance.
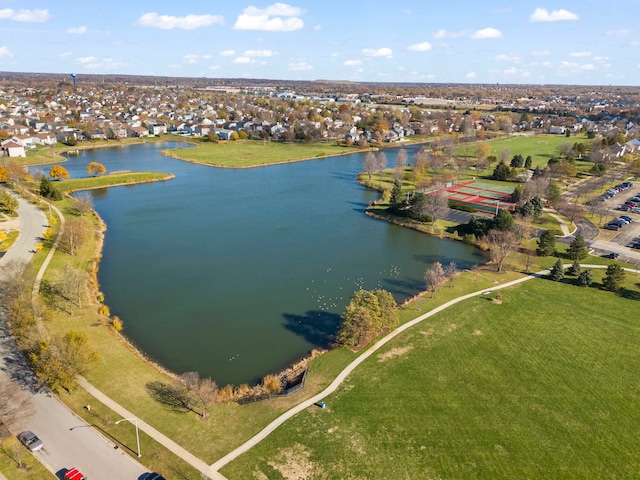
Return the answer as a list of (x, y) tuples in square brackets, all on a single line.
[(4, 175), (528, 161), (8, 203), (546, 244), (84, 203), (57, 172), (435, 206), (234, 136), (76, 231), (397, 199), (502, 172), (420, 166), (613, 278), (203, 390), (70, 283), (368, 313), (517, 161), (370, 163), (557, 271), (482, 150), (48, 190), (451, 272), (434, 276), (501, 243), (401, 163), (585, 278), (95, 168), (577, 249), (16, 406), (58, 361), (574, 269), (503, 221), (505, 154)]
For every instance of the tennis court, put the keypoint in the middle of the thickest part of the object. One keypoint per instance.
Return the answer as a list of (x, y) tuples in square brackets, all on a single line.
[(485, 197)]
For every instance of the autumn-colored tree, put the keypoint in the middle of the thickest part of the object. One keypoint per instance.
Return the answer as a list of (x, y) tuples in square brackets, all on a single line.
[(76, 231), (483, 149), (58, 172), (95, 168), (4, 175), (366, 316)]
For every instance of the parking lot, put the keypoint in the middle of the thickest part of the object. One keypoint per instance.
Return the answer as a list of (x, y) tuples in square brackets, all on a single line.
[(628, 234)]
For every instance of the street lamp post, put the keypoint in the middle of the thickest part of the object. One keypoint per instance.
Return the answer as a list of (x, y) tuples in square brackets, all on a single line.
[(135, 422)]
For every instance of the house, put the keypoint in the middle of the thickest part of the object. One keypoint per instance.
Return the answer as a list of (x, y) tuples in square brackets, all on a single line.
[(224, 133), (139, 132), (44, 139), (158, 129), (557, 129), (13, 149)]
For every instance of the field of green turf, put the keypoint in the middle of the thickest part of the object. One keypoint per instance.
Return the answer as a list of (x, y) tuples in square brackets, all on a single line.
[(543, 385)]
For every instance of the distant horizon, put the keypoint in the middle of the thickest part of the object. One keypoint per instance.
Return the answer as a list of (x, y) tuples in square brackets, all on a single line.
[(319, 81), (492, 42)]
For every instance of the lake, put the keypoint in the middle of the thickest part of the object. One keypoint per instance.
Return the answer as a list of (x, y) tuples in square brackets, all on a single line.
[(236, 273)]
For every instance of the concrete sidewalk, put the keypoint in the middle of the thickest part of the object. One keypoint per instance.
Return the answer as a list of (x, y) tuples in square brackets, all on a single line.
[(152, 432)]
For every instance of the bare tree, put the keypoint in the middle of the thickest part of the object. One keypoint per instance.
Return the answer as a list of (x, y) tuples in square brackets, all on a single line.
[(501, 244), (16, 406), (505, 155), (203, 390), (401, 162), (84, 203), (75, 233), (71, 284), (370, 163), (434, 276), (435, 206), (451, 272)]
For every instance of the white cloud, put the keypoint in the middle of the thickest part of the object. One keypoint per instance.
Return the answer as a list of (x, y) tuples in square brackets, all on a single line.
[(243, 60), (77, 30), (191, 58), (442, 33), (514, 57), (488, 32), (278, 17), (65, 54), (259, 53), (380, 52), (622, 32), (228, 53), (353, 63), (25, 15), (188, 22), (215, 67), (5, 52), (207, 56), (299, 66), (544, 15), (471, 75), (86, 59), (580, 54), (635, 43), (103, 64), (420, 47), (540, 53), (566, 68)]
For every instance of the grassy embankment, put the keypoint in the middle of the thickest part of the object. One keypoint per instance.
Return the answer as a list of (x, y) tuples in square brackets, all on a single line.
[(251, 153), (542, 385), (112, 180)]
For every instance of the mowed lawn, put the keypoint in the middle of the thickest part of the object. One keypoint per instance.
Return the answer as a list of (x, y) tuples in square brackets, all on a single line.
[(543, 385), (252, 153), (540, 147)]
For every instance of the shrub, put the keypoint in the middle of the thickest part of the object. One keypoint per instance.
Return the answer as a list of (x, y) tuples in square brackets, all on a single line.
[(271, 384), (104, 310), (117, 324), (462, 207)]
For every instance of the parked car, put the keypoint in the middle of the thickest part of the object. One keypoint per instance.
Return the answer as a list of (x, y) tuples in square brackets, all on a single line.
[(624, 208), (74, 474), (153, 476), (635, 199), (635, 210), (618, 221), (29, 440), (636, 246), (627, 218), (612, 255), (611, 226)]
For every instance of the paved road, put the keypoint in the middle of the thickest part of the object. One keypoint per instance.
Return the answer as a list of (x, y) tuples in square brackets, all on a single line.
[(68, 440)]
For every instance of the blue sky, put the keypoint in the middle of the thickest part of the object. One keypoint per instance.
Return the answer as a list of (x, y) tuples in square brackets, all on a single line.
[(583, 42)]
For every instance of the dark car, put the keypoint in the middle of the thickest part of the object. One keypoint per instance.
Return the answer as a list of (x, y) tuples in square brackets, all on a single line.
[(29, 440), (627, 218), (612, 255), (153, 476), (610, 226)]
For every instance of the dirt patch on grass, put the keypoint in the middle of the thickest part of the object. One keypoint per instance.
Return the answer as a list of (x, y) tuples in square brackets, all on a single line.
[(294, 463), (396, 352)]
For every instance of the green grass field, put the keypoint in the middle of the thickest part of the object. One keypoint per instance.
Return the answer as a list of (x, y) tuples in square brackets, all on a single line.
[(251, 153), (111, 180), (543, 385)]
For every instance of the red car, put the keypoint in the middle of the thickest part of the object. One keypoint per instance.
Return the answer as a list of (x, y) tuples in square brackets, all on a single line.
[(74, 474)]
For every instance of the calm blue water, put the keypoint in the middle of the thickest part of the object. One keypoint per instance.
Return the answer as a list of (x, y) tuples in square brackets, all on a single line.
[(236, 273)]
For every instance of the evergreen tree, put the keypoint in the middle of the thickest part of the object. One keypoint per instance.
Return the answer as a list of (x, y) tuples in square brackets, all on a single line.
[(613, 279), (395, 202), (574, 269), (503, 221), (585, 278), (577, 249), (48, 190), (528, 162), (546, 244), (502, 172), (557, 271), (516, 196)]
